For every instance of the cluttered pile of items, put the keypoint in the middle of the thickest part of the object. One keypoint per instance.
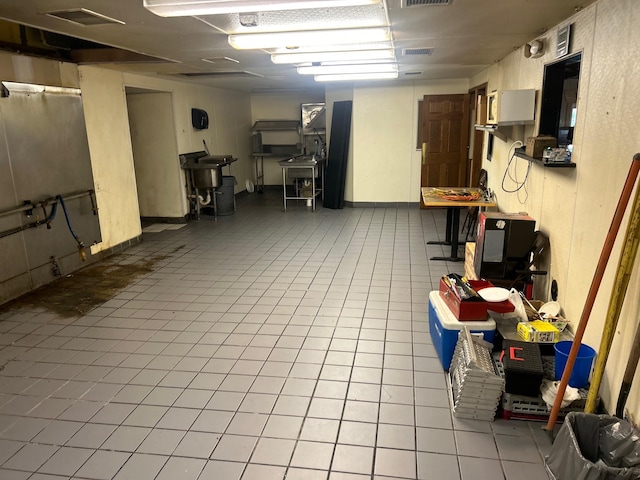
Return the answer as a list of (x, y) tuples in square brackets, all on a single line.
[(504, 355)]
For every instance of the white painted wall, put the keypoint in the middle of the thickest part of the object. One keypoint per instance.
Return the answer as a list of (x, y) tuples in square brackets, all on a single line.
[(105, 114), (229, 131), (155, 155), (385, 164), (575, 207), (111, 149)]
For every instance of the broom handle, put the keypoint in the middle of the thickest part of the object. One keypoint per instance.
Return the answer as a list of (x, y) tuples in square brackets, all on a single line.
[(629, 373), (593, 289)]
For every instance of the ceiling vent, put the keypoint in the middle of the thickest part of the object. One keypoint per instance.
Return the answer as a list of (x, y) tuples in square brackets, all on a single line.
[(411, 74), (407, 52), (234, 73), (221, 60), (424, 3), (84, 17)]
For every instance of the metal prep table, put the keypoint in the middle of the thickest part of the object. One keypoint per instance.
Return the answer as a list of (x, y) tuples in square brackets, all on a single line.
[(204, 176), (301, 167)]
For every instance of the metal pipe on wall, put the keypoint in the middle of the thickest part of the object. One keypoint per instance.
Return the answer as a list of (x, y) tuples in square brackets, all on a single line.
[(53, 201), (44, 203)]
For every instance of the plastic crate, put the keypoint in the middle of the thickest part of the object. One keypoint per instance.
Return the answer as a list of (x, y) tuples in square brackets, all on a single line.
[(523, 370), (535, 408), (532, 408)]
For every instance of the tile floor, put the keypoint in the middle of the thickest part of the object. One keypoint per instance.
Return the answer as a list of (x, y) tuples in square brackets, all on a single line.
[(265, 345)]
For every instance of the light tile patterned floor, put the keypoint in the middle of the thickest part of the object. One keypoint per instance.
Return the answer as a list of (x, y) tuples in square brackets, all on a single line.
[(265, 345)]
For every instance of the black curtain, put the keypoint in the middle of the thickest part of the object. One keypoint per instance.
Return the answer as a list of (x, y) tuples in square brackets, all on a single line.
[(338, 153)]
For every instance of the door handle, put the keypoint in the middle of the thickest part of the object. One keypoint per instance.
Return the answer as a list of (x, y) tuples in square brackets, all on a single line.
[(425, 147)]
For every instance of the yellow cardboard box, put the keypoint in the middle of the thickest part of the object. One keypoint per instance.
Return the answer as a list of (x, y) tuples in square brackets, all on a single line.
[(538, 331)]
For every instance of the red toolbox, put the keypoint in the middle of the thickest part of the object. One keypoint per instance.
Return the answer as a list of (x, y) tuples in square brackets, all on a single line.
[(472, 309)]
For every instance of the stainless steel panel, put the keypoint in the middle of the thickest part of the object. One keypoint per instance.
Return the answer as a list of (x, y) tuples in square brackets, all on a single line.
[(314, 118), (13, 258), (46, 153)]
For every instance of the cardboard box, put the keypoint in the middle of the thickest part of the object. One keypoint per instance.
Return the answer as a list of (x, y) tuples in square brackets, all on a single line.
[(538, 331), (472, 310), (536, 145)]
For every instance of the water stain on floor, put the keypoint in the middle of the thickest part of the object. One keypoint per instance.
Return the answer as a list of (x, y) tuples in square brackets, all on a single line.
[(80, 292)]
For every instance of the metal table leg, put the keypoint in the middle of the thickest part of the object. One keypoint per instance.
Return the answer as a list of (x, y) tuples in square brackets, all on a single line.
[(284, 187)]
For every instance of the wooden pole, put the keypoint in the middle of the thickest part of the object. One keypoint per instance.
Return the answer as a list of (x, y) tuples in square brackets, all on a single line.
[(593, 290)]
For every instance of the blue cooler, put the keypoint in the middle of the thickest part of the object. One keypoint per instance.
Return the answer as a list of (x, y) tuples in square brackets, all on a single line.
[(444, 328)]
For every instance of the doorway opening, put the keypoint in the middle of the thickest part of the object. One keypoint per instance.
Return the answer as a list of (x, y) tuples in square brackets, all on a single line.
[(478, 106), (155, 156)]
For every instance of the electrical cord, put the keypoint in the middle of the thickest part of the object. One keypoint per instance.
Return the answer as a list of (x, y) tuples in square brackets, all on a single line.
[(519, 185)]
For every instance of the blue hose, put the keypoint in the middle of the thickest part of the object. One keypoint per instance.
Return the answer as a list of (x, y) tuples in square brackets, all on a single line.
[(66, 216), (52, 215)]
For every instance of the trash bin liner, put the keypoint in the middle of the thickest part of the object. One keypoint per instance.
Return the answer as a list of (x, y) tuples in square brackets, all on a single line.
[(594, 447)]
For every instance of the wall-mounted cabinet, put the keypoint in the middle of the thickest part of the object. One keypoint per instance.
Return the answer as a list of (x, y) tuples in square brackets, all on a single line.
[(511, 107), (506, 108)]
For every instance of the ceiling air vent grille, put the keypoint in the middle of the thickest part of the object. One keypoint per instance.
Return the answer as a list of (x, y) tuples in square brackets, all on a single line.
[(234, 73), (221, 60), (412, 74), (422, 3), (84, 17), (406, 52)]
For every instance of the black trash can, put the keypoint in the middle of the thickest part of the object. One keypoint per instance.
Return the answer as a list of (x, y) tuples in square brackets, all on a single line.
[(225, 197), (594, 447)]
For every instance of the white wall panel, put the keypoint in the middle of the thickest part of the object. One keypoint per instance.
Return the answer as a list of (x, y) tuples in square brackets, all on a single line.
[(111, 155), (575, 207)]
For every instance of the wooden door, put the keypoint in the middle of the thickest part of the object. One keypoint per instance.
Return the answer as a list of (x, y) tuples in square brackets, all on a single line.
[(445, 129)]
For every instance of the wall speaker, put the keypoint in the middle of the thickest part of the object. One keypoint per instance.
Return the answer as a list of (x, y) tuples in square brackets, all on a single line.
[(199, 119)]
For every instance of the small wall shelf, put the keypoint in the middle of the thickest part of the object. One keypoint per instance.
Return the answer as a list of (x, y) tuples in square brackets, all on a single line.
[(497, 130), (519, 152)]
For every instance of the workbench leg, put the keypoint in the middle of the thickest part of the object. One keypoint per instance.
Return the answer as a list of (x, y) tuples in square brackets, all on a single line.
[(313, 187), (284, 188), (449, 230), (453, 225)]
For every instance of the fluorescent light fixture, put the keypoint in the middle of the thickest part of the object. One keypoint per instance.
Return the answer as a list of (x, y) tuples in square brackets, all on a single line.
[(247, 41), (333, 48), (184, 8), (356, 76), (358, 68), (341, 56)]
